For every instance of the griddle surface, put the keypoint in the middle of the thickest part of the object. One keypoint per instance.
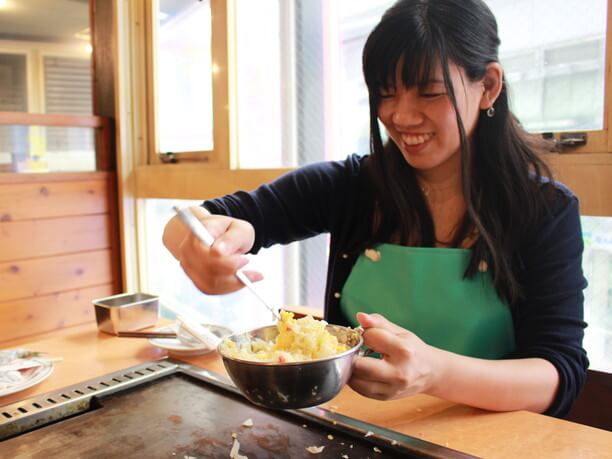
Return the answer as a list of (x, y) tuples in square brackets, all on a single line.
[(181, 417)]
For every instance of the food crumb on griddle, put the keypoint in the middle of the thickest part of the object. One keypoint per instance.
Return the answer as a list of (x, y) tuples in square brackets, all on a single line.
[(315, 449), (394, 442), (304, 426), (368, 434), (330, 437), (377, 450), (248, 423), (345, 456)]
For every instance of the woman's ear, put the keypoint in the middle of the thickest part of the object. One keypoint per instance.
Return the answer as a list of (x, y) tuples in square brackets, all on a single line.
[(493, 82)]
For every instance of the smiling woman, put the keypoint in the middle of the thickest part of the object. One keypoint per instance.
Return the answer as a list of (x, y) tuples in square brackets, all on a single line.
[(312, 65), (502, 305)]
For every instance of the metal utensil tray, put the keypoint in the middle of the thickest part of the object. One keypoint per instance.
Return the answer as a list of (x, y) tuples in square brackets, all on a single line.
[(171, 409)]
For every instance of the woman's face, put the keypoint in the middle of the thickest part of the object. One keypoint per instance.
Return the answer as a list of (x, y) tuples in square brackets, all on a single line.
[(422, 121)]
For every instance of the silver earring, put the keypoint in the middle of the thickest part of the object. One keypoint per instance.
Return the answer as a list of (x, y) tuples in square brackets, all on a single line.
[(491, 111)]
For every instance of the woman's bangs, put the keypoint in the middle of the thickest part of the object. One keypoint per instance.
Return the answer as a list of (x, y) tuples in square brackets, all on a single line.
[(380, 64), (416, 58), (419, 66)]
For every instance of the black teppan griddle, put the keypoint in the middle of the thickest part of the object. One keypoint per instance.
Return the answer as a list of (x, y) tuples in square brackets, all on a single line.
[(169, 409)]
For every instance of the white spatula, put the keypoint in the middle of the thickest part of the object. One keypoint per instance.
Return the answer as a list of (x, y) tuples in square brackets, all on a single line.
[(207, 239)]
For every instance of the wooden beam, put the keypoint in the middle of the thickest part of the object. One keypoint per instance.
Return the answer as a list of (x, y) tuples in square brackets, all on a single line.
[(103, 71), (190, 181), (43, 119), (16, 177)]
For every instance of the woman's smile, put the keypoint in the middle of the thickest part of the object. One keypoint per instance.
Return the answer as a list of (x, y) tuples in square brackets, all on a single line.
[(416, 139)]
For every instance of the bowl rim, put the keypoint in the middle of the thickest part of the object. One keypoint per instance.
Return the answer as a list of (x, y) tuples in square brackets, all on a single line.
[(146, 298), (351, 350)]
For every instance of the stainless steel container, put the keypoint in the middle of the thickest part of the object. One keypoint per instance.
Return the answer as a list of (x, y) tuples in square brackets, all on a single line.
[(292, 384), (126, 311)]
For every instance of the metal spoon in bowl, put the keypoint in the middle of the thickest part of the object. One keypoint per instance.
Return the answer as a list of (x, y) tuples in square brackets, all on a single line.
[(208, 240)]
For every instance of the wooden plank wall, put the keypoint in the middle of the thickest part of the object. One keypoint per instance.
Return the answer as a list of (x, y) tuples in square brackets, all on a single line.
[(58, 250)]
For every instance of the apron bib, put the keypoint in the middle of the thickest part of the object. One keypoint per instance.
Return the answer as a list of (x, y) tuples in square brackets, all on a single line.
[(423, 290)]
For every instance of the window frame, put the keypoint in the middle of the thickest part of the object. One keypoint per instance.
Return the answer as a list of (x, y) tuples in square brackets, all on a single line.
[(221, 31)]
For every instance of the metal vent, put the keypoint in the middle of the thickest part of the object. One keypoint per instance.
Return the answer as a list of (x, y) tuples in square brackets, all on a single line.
[(44, 409)]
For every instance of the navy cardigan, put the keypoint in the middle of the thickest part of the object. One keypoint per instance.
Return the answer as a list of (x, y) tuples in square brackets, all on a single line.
[(329, 197)]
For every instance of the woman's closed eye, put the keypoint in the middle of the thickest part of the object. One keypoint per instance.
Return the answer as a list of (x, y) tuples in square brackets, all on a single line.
[(432, 89), (386, 94), (431, 95)]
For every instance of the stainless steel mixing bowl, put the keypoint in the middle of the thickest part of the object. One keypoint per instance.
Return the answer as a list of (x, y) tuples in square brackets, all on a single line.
[(292, 385)]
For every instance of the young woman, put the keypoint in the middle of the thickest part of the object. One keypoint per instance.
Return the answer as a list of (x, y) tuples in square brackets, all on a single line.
[(450, 244)]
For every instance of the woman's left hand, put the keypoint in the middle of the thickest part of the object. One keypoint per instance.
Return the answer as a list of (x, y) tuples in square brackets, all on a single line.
[(407, 366)]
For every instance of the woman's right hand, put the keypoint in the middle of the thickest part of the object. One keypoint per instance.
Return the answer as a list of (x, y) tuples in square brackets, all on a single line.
[(213, 269)]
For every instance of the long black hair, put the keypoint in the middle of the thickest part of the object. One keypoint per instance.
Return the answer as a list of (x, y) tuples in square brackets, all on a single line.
[(501, 172)]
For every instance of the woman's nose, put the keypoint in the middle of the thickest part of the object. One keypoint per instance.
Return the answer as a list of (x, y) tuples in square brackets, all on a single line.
[(407, 111)]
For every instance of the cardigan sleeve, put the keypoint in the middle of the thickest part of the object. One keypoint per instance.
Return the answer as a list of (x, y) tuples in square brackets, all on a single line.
[(549, 322), (296, 206)]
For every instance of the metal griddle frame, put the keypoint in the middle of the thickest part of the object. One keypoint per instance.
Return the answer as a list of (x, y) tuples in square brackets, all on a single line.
[(30, 414)]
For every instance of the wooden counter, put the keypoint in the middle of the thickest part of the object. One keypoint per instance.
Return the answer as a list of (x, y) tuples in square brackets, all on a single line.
[(88, 354)]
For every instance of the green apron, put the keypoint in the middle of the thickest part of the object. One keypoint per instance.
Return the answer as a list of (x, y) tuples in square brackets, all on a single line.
[(423, 290)]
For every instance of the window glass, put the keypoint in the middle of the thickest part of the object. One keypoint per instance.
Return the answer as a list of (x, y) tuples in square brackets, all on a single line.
[(263, 131), (355, 21), (597, 266), (46, 149), (301, 98), (554, 56), (184, 76)]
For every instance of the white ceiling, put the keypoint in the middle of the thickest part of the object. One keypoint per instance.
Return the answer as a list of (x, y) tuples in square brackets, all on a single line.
[(44, 20)]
